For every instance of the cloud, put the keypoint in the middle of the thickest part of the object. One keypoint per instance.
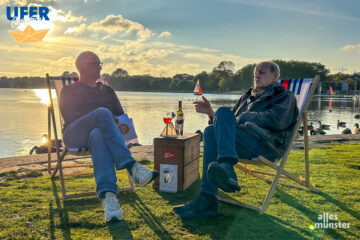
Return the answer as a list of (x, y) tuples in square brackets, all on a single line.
[(113, 24), (76, 30), (56, 67), (215, 59), (28, 2), (58, 15), (349, 48), (165, 35)]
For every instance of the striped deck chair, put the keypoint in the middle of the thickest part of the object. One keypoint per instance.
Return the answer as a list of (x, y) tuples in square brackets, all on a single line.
[(59, 82), (303, 90)]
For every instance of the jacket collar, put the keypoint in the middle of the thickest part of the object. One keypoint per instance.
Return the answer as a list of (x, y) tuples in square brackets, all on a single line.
[(271, 90)]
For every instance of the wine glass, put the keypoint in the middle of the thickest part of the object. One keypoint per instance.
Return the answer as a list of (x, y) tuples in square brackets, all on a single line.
[(167, 120)]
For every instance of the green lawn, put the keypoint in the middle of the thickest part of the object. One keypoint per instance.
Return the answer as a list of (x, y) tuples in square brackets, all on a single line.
[(31, 206)]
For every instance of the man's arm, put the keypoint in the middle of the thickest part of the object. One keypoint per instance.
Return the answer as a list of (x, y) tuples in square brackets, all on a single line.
[(279, 117), (66, 104), (117, 108)]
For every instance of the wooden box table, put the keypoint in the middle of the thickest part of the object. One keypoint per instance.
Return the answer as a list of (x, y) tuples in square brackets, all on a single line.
[(183, 152)]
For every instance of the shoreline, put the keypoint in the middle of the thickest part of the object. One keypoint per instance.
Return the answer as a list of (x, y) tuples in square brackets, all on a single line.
[(146, 152)]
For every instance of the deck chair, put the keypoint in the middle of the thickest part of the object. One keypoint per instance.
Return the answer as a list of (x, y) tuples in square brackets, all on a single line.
[(303, 90), (59, 82)]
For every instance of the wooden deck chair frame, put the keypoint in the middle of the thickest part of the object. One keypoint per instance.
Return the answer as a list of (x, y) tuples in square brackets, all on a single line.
[(280, 172), (53, 170)]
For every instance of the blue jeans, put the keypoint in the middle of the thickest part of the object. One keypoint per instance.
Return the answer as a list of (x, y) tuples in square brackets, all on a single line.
[(224, 139), (98, 131)]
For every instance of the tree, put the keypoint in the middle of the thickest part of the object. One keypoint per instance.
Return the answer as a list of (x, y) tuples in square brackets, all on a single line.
[(224, 72), (119, 73)]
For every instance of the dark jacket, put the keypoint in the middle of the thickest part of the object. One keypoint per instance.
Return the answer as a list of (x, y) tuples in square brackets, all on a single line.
[(271, 117)]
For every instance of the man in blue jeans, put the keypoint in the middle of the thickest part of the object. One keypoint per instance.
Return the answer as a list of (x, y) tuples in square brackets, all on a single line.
[(89, 111), (261, 123)]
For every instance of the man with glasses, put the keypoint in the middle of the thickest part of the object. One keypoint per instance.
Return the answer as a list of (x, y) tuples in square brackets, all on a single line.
[(89, 110)]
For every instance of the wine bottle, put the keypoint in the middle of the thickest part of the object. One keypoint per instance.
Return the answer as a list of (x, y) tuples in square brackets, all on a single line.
[(179, 123)]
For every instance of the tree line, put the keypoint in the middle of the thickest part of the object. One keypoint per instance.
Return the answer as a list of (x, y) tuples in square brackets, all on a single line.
[(222, 78)]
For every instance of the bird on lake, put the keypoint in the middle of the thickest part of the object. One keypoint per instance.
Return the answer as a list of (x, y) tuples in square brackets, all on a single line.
[(301, 131), (324, 126), (357, 129), (310, 127), (346, 131), (357, 116), (341, 124), (317, 131)]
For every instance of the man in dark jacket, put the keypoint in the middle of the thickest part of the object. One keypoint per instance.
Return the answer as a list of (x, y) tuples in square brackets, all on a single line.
[(261, 123)]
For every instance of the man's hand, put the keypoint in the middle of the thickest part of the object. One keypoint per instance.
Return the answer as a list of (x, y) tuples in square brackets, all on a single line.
[(204, 107), (116, 120)]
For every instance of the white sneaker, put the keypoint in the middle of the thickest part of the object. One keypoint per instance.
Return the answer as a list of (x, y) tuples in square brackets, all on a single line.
[(112, 208), (142, 175)]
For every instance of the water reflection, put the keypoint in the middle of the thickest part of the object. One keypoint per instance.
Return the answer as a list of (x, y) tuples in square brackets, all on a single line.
[(23, 115), (43, 94)]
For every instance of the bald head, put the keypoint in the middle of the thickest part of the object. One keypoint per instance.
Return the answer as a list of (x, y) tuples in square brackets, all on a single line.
[(265, 74), (89, 66), (84, 58)]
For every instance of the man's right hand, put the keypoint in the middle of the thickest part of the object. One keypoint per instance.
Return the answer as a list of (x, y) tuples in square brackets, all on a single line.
[(204, 107)]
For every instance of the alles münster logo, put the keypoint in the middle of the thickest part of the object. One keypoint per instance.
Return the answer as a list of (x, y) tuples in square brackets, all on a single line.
[(27, 16)]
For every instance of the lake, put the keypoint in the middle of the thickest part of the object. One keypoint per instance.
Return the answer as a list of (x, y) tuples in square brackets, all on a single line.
[(23, 115)]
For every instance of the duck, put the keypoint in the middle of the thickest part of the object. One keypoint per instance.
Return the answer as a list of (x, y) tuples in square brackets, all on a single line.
[(341, 124), (346, 131), (357, 129), (301, 131), (310, 127), (317, 131), (324, 126), (357, 116)]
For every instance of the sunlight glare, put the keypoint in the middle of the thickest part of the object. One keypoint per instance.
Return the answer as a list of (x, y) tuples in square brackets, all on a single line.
[(44, 95)]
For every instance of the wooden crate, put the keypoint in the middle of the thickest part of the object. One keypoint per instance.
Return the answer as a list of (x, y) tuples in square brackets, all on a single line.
[(183, 152)]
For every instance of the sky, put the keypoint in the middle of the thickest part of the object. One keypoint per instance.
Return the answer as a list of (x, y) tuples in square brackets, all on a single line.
[(166, 37)]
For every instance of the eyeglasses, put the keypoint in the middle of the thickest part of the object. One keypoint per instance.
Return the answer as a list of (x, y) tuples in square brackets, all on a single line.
[(99, 63)]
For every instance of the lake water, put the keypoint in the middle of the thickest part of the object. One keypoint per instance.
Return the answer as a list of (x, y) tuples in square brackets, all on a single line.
[(23, 115)]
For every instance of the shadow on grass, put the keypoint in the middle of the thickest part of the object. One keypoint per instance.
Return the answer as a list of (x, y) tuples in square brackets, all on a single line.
[(149, 218), (118, 230), (341, 205), (313, 215), (234, 221)]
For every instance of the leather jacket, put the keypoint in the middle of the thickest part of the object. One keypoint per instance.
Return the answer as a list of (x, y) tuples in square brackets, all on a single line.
[(270, 117)]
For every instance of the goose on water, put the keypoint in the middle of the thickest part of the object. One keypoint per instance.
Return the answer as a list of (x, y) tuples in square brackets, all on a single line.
[(323, 126), (357, 129), (317, 131), (346, 131), (341, 124)]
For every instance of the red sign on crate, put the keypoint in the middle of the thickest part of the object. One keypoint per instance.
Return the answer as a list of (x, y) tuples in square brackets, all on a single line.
[(169, 154)]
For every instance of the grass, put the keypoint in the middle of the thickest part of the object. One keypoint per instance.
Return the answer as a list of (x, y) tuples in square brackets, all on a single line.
[(31, 206)]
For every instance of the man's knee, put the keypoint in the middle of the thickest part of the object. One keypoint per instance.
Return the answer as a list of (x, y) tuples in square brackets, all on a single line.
[(223, 111), (95, 135), (209, 132), (103, 111)]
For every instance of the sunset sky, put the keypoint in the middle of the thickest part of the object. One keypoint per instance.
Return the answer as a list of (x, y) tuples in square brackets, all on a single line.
[(165, 37)]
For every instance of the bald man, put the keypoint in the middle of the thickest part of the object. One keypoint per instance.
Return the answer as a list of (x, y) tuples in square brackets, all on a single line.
[(261, 123), (89, 110)]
